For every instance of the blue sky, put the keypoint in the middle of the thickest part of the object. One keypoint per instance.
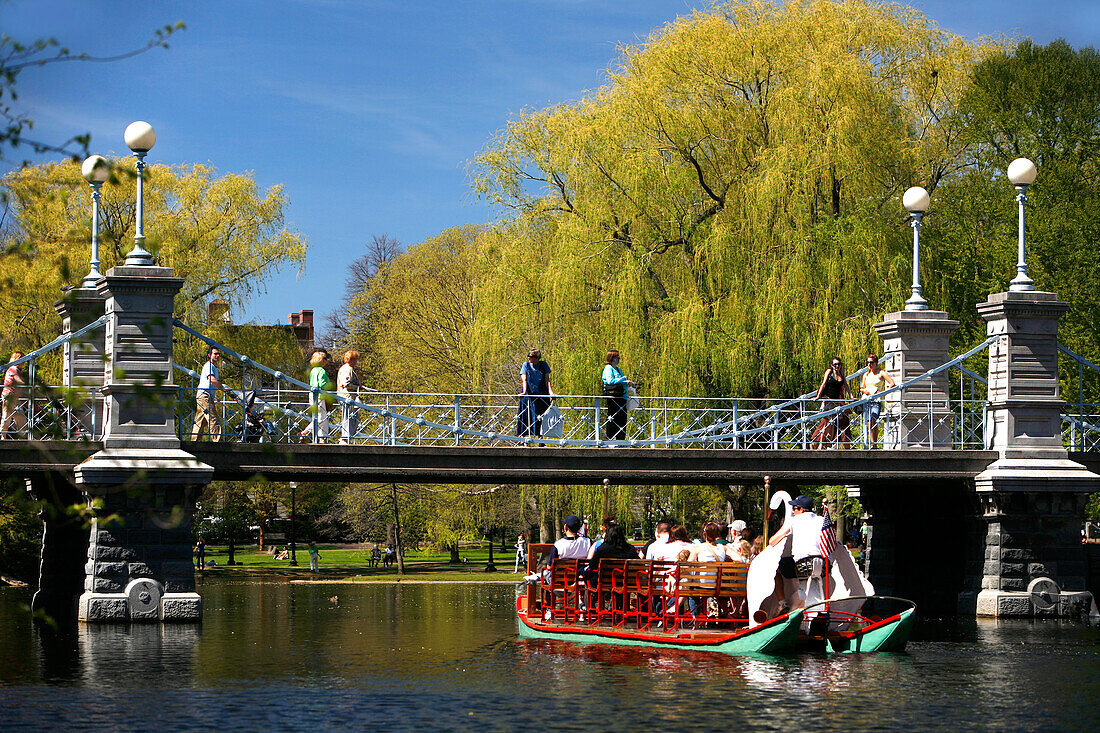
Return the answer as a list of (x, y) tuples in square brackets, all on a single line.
[(367, 111)]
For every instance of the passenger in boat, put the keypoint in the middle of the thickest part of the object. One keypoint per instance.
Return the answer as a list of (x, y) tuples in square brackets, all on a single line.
[(707, 551), (673, 551), (660, 539), (742, 548), (607, 522), (572, 545), (758, 545), (614, 546)]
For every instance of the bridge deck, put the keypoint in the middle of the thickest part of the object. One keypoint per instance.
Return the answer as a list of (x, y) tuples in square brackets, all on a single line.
[(307, 462)]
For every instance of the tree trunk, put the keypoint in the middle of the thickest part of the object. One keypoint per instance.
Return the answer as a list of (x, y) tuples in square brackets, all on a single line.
[(546, 526), (397, 533), (455, 559), (490, 567), (231, 561)]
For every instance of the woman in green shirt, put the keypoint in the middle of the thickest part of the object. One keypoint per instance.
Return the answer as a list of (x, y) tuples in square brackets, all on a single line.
[(319, 380)]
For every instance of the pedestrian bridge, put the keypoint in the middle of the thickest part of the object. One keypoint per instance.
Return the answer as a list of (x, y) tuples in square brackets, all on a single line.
[(976, 444), (944, 407)]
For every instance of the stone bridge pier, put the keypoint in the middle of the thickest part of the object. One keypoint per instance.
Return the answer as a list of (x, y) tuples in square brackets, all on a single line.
[(1008, 543), (141, 487)]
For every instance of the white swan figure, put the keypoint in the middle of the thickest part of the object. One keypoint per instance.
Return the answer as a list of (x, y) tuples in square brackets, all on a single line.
[(760, 585), (845, 578)]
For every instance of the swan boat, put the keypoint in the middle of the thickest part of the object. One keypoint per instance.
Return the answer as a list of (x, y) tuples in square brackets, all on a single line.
[(750, 609)]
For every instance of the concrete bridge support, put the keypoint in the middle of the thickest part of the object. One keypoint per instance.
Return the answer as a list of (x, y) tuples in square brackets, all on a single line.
[(141, 486), (1032, 498), (64, 546), (917, 417), (1020, 518), (83, 358)]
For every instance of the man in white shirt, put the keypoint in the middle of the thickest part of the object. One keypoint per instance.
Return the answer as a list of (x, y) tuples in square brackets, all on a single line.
[(805, 530), (206, 412), (572, 545), (569, 547), (656, 548)]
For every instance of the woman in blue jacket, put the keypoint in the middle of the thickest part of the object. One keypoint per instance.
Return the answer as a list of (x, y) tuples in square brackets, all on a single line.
[(616, 389)]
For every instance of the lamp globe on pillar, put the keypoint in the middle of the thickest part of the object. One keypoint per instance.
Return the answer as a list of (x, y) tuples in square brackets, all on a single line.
[(140, 137), (915, 200), (1022, 174), (96, 170)]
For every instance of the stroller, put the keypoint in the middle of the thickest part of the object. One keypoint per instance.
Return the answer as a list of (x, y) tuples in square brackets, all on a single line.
[(255, 428)]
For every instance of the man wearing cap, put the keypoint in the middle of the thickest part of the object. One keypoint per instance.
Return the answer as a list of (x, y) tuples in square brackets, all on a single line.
[(572, 545), (804, 529)]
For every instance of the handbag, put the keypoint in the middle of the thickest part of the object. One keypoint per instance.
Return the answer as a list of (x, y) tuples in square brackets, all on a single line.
[(551, 422), (632, 402)]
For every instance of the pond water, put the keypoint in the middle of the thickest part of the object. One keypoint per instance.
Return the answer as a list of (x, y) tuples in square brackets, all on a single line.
[(272, 655)]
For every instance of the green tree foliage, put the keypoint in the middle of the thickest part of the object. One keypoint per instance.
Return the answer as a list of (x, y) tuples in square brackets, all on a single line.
[(1043, 103), (724, 210), (222, 234), (419, 312), (20, 532)]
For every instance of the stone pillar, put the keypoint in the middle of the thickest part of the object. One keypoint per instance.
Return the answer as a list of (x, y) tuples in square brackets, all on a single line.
[(1032, 497), (83, 361), (142, 485), (64, 547), (919, 417)]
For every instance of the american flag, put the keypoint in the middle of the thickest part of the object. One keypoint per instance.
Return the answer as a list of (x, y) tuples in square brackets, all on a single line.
[(827, 543)]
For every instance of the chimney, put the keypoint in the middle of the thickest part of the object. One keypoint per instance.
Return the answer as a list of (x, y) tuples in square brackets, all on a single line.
[(217, 312)]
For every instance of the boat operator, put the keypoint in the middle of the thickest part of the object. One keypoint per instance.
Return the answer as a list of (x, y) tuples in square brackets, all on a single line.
[(805, 530)]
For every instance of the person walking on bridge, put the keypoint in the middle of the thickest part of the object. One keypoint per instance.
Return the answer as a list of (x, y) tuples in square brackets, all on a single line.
[(616, 389), (319, 382), (347, 385), (831, 393), (534, 379), (206, 408), (874, 381), (14, 387)]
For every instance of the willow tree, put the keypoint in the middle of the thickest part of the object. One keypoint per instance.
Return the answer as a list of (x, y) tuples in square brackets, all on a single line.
[(419, 313), (223, 234), (725, 209)]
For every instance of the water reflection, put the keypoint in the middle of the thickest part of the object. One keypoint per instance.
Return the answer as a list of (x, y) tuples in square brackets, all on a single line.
[(448, 656), (130, 655)]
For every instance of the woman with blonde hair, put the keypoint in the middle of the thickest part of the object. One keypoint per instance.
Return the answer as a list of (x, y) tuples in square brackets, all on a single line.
[(347, 385), (319, 383)]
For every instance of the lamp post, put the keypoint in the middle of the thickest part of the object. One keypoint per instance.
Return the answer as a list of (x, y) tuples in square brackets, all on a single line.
[(96, 170), (1022, 174), (915, 201), (293, 555), (140, 137)]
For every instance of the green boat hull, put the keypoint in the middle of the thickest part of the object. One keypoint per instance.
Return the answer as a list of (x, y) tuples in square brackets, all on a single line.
[(891, 636), (777, 636)]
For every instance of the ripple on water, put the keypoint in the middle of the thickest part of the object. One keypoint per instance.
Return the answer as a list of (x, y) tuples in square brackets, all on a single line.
[(280, 656)]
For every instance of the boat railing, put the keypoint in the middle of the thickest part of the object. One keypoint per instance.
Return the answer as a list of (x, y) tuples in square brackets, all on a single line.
[(645, 594)]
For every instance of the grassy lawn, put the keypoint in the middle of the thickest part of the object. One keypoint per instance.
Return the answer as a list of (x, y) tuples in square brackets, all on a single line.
[(339, 562)]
